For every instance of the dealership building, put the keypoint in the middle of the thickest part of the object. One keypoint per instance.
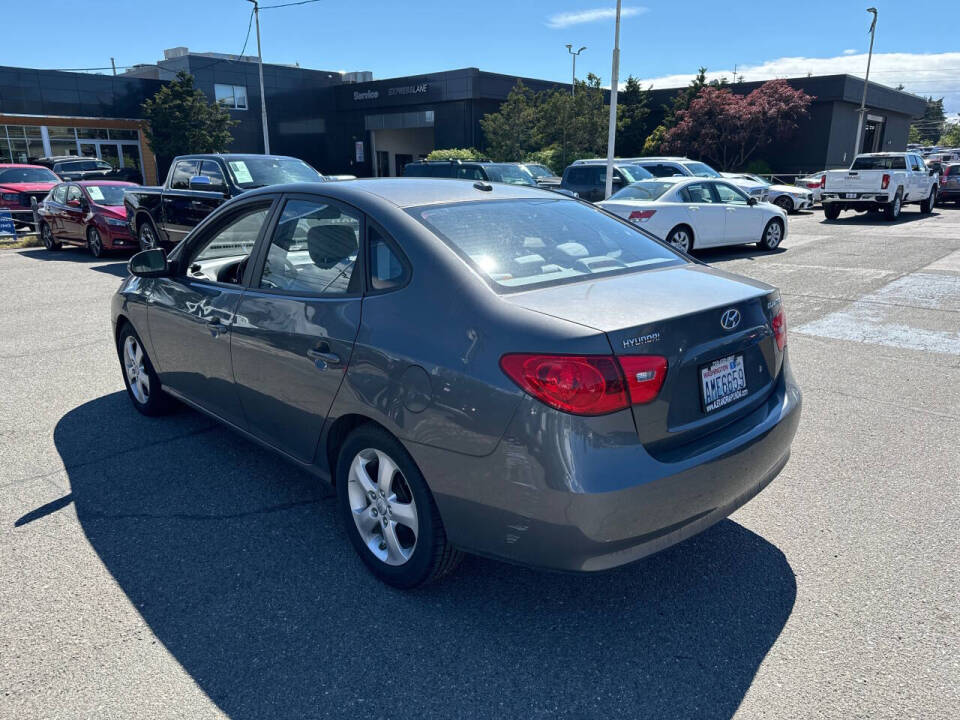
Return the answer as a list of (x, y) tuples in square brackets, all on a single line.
[(349, 123)]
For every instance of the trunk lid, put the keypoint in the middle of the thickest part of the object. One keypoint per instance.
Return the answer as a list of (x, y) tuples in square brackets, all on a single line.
[(676, 313), (855, 180)]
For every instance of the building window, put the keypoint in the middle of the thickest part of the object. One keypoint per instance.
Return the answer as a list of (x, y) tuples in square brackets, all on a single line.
[(231, 96)]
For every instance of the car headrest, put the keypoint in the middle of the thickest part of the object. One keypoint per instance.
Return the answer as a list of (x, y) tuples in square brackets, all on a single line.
[(331, 244)]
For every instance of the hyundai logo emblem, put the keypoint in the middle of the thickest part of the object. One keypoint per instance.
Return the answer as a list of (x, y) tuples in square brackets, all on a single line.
[(730, 319)]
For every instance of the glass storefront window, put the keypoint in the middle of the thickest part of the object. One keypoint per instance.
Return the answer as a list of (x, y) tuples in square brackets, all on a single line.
[(92, 133), (61, 132), (32, 131), (124, 135), (63, 147)]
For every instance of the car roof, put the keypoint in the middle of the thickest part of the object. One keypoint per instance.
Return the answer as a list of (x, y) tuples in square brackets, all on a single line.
[(673, 179), (7, 166), (87, 183), (228, 156), (412, 192)]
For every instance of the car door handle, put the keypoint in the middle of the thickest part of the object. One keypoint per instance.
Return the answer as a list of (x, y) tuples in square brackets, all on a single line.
[(216, 327), (693, 207), (323, 359)]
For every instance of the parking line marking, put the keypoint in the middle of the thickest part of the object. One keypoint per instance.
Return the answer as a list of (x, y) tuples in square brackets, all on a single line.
[(950, 263)]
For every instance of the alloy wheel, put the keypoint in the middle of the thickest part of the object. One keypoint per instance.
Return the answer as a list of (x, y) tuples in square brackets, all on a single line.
[(680, 239), (147, 239), (382, 506), (95, 242), (47, 236), (137, 375), (773, 235)]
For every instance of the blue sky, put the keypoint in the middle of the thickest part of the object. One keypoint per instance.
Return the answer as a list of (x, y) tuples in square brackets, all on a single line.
[(661, 41)]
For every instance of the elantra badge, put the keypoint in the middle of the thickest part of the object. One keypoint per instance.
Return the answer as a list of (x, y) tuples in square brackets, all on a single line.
[(730, 319)]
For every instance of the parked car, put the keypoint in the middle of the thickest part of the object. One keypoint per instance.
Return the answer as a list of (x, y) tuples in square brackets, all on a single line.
[(591, 397), (788, 198), (88, 213), (512, 173), (74, 167), (544, 176), (671, 166), (812, 183), (23, 185), (588, 180), (196, 185), (879, 181), (695, 213), (950, 183)]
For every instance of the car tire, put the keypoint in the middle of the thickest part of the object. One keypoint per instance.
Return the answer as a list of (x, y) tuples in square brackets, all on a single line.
[(772, 235), (147, 235), (46, 236), (892, 211), (396, 529), (143, 385), (784, 203), (926, 207), (94, 242), (831, 212), (681, 237)]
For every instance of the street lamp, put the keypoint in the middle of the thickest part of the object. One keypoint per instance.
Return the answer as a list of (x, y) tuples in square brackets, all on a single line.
[(614, 82), (863, 99), (573, 85)]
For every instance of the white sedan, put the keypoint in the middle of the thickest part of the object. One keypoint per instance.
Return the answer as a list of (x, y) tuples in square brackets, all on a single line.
[(693, 213), (789, 197)]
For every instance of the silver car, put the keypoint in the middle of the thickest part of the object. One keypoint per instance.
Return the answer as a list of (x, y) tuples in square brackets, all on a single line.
[(789, 198), (476, 367)]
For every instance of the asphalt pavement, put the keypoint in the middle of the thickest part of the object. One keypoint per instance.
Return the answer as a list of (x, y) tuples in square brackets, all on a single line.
[(166, 567)]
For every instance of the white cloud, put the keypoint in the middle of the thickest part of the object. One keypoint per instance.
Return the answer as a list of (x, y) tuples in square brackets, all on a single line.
[(850, 51), (933, 74), (578, 17)]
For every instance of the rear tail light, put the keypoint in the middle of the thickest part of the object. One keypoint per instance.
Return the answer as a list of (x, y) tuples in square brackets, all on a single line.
[(587, 384), (823, 181), (641, 215), (885, 183), (779, 327), (946, 171)]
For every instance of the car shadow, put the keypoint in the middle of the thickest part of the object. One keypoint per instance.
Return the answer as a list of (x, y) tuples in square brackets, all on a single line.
[(240, 567), (113, 263), (876, 218), (734, 252)]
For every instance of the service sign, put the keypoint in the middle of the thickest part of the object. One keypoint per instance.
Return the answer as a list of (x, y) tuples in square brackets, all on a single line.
[(359, 150), (6, 224)]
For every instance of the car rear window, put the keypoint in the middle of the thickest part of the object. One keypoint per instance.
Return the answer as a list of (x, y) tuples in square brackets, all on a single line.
[(518, 244), (645, 190), (880, 162), (634, 172)]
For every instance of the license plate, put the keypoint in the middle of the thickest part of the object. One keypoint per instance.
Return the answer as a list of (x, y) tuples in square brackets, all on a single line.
[(723, 382), (850, 196)]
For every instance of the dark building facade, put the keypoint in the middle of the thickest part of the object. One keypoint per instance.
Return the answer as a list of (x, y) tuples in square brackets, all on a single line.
[(347, 123)]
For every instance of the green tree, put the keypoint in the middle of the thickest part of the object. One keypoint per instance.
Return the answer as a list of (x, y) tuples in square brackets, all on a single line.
[(632, 114), (182, 120), (511, 132), (913, 136), (930, 125), (951, 136)]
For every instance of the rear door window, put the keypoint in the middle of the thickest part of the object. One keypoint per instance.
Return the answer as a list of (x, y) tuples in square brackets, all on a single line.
[(698, 193)]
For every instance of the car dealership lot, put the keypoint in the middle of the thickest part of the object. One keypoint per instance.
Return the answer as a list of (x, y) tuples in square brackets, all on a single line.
[(163, 568)]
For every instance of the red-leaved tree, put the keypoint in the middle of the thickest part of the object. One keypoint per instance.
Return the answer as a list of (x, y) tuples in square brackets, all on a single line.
[(726, 128)]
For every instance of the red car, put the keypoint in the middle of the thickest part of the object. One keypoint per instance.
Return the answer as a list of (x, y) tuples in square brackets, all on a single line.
[(89, 213), (20, 184)]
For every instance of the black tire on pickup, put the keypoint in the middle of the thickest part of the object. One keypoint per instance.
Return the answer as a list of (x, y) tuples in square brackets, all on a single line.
[(831, 211), (926, 207), (892, 211), (147, 234)]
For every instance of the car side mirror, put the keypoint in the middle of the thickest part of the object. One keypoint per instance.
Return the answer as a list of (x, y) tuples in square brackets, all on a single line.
[(751, 201), (150, 263), (73, 203), (200, 182)]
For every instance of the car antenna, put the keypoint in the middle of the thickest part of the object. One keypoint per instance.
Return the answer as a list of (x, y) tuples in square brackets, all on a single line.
[(481, 185)]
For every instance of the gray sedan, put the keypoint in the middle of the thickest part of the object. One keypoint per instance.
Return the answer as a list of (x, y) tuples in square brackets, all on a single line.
[(476, 367)]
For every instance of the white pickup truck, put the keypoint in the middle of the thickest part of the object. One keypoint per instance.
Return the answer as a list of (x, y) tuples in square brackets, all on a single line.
[(879, 181)]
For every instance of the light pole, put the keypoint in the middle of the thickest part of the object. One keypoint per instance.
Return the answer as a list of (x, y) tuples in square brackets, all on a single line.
[(863, 99), (263, 95), (573, 85), (612, 130)]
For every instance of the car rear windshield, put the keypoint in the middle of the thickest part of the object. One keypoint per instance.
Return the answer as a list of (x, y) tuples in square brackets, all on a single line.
[(880, 162), (645, 190), (539, 171), (634, 172), (518, 244), (701, 170), (106, 194), (27, 175), (253, 172), (512, 174)]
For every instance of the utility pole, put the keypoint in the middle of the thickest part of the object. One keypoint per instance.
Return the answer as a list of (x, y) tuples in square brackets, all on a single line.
[(263, 95), (573, 84), (612, 131), (113, 65), (866, 80)]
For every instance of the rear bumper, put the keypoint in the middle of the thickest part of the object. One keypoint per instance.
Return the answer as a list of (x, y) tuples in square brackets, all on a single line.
[(858, 199), (555, 494)]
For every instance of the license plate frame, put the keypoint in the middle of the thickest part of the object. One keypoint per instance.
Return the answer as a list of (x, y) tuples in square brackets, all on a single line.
[(727, 370), (849, 196)]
